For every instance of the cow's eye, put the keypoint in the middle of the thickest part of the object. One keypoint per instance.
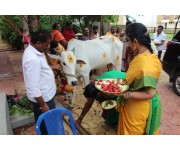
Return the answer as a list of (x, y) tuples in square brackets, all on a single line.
[(64, 64)]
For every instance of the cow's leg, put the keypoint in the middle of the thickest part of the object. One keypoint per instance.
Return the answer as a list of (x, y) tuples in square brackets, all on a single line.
[(86, 82), (118, 65), (73, 98), (86, 79)]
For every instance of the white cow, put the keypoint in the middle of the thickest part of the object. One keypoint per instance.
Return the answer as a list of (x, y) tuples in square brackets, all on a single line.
[(83, 56)]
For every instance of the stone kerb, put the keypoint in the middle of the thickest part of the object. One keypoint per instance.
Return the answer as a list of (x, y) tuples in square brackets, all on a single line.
[(5, 127)]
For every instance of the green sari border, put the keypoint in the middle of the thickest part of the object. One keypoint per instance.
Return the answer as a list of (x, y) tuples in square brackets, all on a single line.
[(145, 81), (154, 119)]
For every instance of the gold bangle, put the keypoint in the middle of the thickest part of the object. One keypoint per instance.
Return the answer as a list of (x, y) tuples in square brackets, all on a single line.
[(127, 95), (131, 94)]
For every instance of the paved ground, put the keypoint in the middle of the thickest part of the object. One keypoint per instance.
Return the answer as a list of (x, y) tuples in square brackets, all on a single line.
[(11, 78)]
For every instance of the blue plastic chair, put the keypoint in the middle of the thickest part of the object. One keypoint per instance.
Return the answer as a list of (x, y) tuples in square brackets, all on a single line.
[(53, 120)]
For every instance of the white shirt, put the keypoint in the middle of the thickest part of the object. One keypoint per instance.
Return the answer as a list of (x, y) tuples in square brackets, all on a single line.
[(38, 76), (94, 36), (158, 38)]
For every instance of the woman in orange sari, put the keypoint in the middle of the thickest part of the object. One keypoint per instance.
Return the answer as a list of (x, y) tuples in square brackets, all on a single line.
[(140, 107)]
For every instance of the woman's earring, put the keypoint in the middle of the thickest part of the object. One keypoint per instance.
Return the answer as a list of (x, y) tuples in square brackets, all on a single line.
[(134, 47)]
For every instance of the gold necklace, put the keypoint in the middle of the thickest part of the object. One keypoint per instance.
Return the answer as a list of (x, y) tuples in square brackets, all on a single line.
[(140, 52), (143, 51)]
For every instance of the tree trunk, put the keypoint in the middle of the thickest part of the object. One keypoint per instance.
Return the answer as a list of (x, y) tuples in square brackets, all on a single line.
[(117, 20), (101, 25), (25, 28), (33, 23)]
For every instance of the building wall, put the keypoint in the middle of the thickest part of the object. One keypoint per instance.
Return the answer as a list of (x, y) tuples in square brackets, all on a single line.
[(152, 20)]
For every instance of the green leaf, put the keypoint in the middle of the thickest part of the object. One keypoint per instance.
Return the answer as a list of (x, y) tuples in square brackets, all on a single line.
[(106, 104)]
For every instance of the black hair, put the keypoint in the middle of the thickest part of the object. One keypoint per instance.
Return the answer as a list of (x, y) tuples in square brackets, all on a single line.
[(160, 26), (53, 44), (85, 28), (139, 32), (54, 26), (41, 36), (95, 27), (68, 23), (113, 27)]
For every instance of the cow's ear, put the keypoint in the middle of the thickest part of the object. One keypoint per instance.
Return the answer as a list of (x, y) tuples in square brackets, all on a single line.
[(73, 50), (55, 57), (80, 62)]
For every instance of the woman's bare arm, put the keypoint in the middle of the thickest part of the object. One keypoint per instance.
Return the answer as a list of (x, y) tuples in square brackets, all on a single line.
[(146, 93)]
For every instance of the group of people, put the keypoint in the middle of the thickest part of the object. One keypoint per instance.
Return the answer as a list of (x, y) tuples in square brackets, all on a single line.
[(140, 110), (94, 35)]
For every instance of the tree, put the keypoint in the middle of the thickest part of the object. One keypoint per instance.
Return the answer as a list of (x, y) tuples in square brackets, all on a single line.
[(25, 28), (33, 22), (10, 34), (88, 20)]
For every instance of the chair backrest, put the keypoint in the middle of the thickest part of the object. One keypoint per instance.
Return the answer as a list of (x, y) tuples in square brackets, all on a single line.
[(53, 120)]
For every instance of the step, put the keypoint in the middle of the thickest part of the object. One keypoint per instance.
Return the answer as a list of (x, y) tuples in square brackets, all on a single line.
[(18, 120), (5, 128)]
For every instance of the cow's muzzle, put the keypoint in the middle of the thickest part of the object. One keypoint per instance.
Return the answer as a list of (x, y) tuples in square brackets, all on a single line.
[(74, 83)]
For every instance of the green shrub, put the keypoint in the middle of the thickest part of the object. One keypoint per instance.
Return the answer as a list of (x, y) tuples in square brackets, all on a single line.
[(9, 34), (23, 106)]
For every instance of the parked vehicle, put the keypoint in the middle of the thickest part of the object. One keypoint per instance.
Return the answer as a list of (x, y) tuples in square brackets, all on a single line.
[(171, 62)]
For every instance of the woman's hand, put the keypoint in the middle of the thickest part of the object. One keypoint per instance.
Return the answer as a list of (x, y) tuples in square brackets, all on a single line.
[(117, 94), (145, 94), (126, 95)]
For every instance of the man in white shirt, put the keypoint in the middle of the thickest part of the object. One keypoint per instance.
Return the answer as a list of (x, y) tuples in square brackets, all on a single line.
[(95, 33), (158, 38), (38, 76)]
